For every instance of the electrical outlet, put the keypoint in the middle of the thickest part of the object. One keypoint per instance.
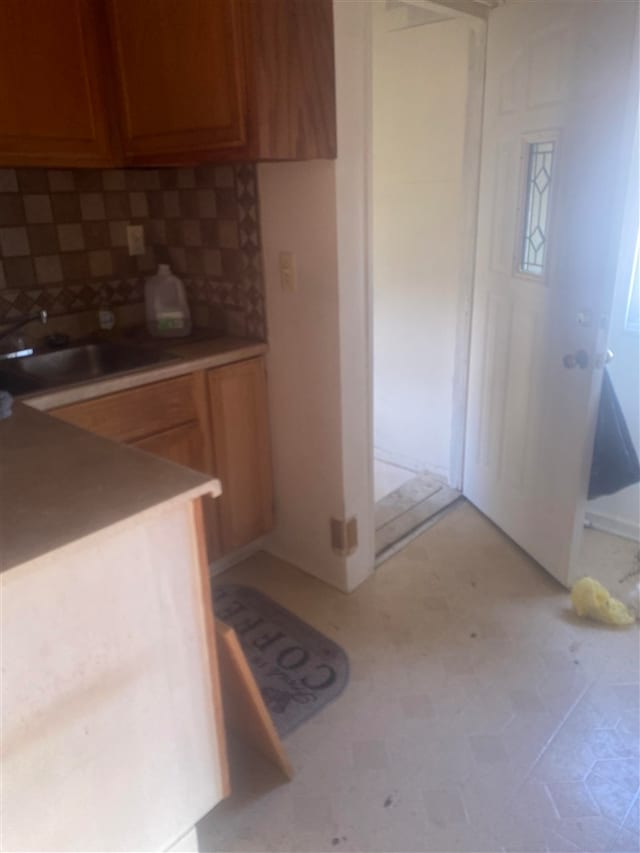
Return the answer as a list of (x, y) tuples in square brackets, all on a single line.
[(288, 280), (135, 239), (344, 535)]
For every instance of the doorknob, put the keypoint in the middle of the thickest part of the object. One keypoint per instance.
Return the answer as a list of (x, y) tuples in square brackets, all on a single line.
[(604, 358), (578, 359)]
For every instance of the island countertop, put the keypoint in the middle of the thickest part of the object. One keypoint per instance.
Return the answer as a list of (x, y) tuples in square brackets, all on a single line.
[(60, 485)]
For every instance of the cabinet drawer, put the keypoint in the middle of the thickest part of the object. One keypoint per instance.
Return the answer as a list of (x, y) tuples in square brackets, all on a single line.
[(137, 413)]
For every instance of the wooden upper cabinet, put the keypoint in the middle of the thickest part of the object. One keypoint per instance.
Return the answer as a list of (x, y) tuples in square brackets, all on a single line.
[(180, 68), (53, 104), (163, 82), (224, 79), (292, 79)]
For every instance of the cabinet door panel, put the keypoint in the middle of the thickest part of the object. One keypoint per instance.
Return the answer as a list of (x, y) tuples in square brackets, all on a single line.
[(294, 79), (181, 74), (183, 445), (51, 84), (238, 399)]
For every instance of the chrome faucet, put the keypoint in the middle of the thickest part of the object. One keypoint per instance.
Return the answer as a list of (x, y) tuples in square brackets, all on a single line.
[(41, 315)]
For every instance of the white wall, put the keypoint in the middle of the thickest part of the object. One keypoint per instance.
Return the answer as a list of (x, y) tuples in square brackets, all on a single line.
[(352, 23), (319, 347), (298, 214), (420, 88), (319, 337), (620, 513)]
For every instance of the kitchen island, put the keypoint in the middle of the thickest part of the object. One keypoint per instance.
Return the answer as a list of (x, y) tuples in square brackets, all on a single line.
[(112, 734)]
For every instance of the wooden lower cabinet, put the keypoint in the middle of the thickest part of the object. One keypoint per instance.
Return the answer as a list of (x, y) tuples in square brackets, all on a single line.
[(136, 414), (181, 444), (215, 422), (240, 424), (185, 445)]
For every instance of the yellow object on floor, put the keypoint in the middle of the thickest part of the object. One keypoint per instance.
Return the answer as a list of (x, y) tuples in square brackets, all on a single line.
[(591, 599)]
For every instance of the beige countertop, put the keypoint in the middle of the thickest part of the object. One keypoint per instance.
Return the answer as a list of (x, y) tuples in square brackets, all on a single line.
[(60, 485), (192, 355)]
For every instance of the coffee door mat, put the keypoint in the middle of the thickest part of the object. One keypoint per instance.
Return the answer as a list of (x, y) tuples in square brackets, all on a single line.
[(297, 668)]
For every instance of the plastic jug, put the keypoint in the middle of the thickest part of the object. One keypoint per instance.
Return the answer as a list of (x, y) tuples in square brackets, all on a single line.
[(167, 309)]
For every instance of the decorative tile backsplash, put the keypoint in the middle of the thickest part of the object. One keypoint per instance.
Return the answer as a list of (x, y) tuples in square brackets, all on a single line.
[(63, 240)]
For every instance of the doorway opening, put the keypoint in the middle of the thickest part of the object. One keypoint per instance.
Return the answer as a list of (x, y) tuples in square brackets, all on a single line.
[(427, 77), (610, 546)]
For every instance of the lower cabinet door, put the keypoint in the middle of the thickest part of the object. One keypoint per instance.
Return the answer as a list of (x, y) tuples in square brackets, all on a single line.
[(240, 422)]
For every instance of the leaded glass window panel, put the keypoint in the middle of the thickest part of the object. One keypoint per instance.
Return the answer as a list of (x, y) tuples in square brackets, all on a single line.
[(536, 213)]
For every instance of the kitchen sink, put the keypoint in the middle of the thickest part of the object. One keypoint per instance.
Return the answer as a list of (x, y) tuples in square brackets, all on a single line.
[(75, 364)]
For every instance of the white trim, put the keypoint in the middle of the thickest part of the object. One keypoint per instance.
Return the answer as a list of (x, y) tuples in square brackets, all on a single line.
[(416, 466), (471, 183), (368, 261), (353, 94), (610, 524), (631, 324)]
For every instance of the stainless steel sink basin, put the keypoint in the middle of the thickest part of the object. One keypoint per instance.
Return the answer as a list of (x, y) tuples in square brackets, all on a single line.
[(75, 364)]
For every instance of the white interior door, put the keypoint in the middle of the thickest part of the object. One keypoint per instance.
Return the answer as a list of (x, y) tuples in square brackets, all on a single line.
[(559, 107)]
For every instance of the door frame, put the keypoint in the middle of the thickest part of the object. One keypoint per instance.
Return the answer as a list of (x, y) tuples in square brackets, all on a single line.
[(355, 283), (471, 181)]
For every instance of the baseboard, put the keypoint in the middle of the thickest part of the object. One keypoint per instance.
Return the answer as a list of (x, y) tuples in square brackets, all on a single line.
[(610, 524), (237, 556), (398, 459), (409, 464)]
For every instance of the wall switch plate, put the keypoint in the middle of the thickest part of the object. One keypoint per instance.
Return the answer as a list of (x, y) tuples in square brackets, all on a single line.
[(288, 278), (135, 239)]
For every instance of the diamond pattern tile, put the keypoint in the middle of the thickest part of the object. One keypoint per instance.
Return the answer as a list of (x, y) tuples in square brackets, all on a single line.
[(65, 227)]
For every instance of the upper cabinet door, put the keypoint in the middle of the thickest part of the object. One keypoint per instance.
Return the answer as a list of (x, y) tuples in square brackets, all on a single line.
[(181, 73), (293, 91), (52, 104)]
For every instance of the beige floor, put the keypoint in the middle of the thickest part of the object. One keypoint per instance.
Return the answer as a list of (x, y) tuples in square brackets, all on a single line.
[(481, 715), (387, 478)]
